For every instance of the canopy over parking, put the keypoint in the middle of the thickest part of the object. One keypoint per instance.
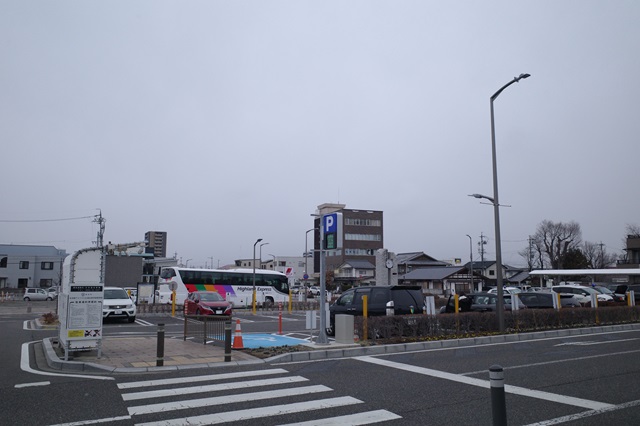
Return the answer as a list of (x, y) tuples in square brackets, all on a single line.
[(586, 272)]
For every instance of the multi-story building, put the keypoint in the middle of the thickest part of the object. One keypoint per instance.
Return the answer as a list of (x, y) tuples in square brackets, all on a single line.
[(30, 266), (157, 240), (361, 235)]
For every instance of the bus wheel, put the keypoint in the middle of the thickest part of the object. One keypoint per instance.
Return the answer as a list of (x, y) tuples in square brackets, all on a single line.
[(268, 303)]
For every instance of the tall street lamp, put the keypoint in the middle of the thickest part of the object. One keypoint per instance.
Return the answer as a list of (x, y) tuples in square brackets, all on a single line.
[(496, 206), (306, 262), (263, 244), (253, 302), (471, 260)]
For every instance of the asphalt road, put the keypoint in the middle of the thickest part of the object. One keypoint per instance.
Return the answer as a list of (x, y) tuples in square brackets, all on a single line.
[(584, 380)]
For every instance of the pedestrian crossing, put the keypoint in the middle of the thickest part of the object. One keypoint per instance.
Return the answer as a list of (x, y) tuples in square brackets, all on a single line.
[(272, 395)]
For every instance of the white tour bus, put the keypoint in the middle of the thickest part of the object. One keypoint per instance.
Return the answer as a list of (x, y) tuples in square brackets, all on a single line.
[(234, 285)]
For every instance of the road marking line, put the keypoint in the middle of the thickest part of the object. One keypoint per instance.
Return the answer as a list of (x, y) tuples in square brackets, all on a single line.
[(257, 413), (516, 390), (25, 366), (594, 343), (225, 399), (559, 361), (585, 414), (211, 388), (365, 418), (26, 385), (143, 322), (224, 376), (93, 422)]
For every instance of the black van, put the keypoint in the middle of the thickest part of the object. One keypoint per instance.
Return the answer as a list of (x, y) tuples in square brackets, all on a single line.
[(407, 299)]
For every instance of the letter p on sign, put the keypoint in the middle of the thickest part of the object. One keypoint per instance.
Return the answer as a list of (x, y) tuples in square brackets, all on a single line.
[(328, 223)]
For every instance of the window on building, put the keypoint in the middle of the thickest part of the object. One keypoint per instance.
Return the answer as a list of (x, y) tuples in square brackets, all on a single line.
[(45, 283), (362, 222), (3, 262), (46, 266), (24, 264), (492, 272), (363, 237), (23, 282)]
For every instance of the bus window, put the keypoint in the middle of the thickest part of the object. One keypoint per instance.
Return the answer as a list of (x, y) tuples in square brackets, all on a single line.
[(167, 273)]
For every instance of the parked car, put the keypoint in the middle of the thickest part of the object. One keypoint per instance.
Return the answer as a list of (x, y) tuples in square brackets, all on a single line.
[(314, 290), (206, 303), (505, 290), (478, 302), (36, 294), (623, 289), (53, 292), (544, 300), (117, 304), (399, 299), (583, 292), (616, 297)]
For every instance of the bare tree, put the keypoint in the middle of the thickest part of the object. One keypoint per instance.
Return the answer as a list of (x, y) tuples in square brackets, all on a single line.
[(633, 230), (553, 240), (597, 256)]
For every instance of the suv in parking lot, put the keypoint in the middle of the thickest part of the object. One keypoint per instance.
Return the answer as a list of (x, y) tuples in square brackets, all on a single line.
[(117, 304), (402, 299), (36, 294)]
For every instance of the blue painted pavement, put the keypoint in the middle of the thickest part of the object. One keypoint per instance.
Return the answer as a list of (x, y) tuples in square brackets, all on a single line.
[(252, 341)]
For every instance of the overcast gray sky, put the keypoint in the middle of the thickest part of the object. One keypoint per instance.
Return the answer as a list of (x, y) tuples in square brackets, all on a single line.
[(222, 122)]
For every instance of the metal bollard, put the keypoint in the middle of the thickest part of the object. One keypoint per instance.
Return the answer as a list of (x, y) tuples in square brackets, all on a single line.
[(160, 347), (498, 401), (227, 341)]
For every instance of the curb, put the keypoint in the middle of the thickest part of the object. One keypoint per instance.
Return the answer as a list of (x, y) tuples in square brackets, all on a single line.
[(54, 362), (444, 344)]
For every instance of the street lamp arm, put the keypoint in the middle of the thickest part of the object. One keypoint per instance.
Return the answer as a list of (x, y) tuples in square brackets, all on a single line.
[(515, 80), (482, 196)]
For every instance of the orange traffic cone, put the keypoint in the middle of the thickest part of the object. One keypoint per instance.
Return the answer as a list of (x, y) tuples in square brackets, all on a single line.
[(237, 337)]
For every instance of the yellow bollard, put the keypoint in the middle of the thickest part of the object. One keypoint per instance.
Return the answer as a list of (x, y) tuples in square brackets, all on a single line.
[(365, 331)]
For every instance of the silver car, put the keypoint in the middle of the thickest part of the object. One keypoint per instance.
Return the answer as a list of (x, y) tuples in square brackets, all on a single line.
[(36, 294)]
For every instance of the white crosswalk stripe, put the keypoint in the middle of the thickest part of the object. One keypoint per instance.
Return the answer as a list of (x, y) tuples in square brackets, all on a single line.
[(250, 387)]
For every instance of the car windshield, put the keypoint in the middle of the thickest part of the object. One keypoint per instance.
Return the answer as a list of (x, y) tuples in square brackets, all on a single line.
[(603, 290), (115, 293), (211, 297)]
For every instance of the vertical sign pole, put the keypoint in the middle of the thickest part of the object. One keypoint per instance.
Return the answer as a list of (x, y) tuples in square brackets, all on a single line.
[(322, 333)]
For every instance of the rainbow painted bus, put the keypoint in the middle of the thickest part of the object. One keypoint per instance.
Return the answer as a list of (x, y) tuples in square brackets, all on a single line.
[(235, 285)]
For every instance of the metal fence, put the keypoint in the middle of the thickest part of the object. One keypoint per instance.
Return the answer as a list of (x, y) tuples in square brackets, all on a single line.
[(214, 329)]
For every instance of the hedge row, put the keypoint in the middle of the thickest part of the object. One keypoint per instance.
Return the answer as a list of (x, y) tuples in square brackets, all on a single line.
[(428, 327)]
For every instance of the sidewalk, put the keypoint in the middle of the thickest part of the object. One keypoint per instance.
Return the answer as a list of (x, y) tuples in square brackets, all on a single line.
[(139, 354)]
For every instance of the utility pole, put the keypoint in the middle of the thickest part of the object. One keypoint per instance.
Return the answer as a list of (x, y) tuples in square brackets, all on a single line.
[(100, 221)]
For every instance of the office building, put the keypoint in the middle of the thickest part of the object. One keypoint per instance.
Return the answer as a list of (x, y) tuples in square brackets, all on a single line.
[(158, 242)]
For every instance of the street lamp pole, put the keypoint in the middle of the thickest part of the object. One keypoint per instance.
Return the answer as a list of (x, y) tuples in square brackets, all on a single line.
[(471, 260), (253, 302), (496, 207), (306, 255), (263, 244)]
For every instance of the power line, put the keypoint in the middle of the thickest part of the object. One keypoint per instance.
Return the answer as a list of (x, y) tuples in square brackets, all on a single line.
[(44, 220)]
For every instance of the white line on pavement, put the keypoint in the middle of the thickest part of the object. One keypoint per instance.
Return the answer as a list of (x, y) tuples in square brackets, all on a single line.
[(365, 418), (177, 380), (211, 388), (594, 343), (93, 422), (257, 413), (558, 361), (516, 390), (225, 399), (585, 414), (25, 366), (26, 385)]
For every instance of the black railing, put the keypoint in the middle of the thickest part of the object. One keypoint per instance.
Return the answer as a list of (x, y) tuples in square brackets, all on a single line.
[(214, 329)]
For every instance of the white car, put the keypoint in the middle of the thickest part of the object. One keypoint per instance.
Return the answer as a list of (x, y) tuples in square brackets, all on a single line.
[(506, 290), (117, 304), (36, 294), (583, 292)]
